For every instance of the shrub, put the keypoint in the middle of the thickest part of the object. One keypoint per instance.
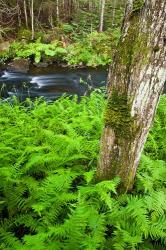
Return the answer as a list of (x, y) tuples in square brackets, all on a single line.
[(37, 50), (95, 49)]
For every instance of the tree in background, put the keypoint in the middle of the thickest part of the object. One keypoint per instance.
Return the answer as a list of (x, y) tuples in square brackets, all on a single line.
[(102, 15), (32, 19), (136, 80), (25, 13), (85, 16)]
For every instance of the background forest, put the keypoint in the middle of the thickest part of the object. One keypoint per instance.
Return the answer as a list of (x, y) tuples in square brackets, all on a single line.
[(73, 32)]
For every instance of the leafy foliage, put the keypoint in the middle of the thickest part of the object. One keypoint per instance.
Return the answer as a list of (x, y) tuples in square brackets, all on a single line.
[(37, 50), (93, 50), (156, 143), (49, 198)]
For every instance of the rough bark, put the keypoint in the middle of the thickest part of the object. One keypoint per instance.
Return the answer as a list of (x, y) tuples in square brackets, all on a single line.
[(136, 80)]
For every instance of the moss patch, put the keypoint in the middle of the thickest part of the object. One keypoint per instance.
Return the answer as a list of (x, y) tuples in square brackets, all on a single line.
[(141, 49), (117, 115), (133, 48), (138, 5)]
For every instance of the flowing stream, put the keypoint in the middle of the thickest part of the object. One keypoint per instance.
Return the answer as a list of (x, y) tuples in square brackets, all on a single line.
[(51, 82)]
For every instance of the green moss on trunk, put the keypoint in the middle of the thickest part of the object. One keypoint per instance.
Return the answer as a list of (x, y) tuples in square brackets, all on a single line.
[(138, 5), (133, 47), (118, 116)]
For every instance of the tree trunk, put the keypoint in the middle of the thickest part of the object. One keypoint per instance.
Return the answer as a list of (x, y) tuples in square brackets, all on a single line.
[(19, 14), (25, 13), (57, 11), (32, 19), (102, 15), (113, 13), (136, 80)]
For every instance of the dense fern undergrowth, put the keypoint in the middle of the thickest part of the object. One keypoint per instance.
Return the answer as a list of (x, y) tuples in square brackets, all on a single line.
[(49, 199)]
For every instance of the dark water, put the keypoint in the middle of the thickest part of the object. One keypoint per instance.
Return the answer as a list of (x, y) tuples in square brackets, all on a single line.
[(51, 82)]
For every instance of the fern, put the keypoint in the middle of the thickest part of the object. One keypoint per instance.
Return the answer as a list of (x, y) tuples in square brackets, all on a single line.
[(49, 198)]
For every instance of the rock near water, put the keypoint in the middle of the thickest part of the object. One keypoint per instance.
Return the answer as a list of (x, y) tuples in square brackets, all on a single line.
[(4, 46), (19, 65)]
